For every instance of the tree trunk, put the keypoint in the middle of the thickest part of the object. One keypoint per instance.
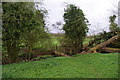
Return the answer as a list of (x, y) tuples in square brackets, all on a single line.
[(109, 50), (30, 52), (12, 51), (94, 49), (61, 54)]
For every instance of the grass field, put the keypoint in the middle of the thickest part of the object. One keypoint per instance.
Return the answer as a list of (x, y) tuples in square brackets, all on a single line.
[(79, 66)]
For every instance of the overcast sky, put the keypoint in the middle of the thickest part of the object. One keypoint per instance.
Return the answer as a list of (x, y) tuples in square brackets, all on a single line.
[(96, 11)]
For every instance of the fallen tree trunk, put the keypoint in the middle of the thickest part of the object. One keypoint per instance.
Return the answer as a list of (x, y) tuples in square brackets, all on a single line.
[(110, 50), (94, 49), (61, 54)]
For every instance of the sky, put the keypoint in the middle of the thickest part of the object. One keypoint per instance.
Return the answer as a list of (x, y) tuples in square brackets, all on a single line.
[(96, 11)]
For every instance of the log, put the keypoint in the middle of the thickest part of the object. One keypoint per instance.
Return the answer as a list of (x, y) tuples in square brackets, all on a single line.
[(110, 50), (61, 54), (94, 49)]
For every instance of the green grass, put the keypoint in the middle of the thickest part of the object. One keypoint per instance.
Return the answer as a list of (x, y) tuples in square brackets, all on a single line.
[(48, 44), (79, 66), (86, 41)]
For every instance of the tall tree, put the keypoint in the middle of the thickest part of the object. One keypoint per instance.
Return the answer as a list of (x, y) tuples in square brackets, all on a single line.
[(113, 26), (19, 19), (75, 26)]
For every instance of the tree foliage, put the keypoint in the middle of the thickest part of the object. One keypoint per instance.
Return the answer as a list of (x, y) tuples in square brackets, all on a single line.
[(75, 25), (113, 26), (22, 23), (104, 36)]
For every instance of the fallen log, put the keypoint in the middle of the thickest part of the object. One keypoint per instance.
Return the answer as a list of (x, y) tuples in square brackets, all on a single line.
[(109, 50), (60, 54), (104, 44)]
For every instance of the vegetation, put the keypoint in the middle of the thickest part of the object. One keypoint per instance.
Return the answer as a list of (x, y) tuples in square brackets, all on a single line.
[(113, 26), (75, 26), (20, 22), (107, 39), (94, 49), (26, 39), (78, 66)]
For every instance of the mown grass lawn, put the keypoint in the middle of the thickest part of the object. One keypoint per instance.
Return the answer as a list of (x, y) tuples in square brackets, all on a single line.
[(79, 66)]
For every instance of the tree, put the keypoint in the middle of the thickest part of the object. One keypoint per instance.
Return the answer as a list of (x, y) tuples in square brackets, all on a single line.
[(20, 19), (113, 26), (37, 34), (104, 44), (75, 26)]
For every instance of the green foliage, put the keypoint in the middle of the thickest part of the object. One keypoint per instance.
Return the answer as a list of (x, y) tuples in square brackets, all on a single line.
[(22, 24), (50, 43), (113, 26), (79, 66), (86, 40), (101, 37), (104, 36), (75, 25), (115, 29)]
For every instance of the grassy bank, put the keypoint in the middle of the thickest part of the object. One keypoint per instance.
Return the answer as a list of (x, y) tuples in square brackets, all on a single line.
[(79, 66)]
